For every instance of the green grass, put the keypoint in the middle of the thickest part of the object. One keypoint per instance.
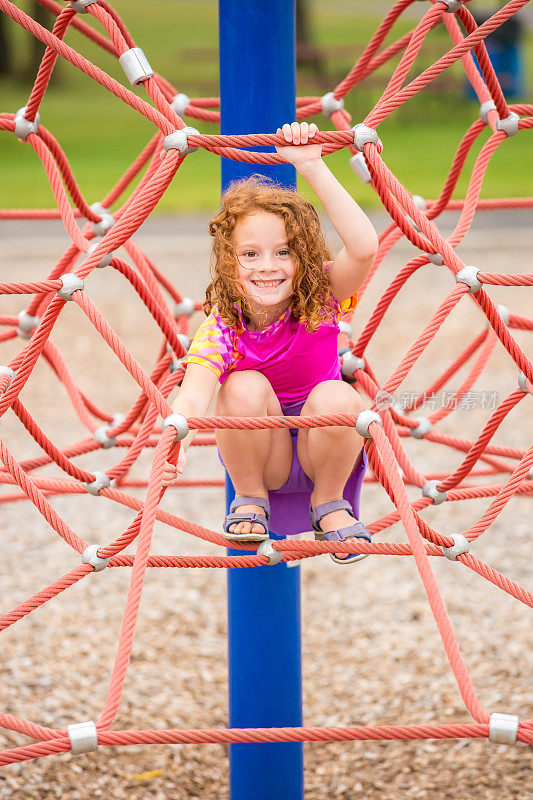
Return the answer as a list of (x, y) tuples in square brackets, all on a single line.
[(101, 136)]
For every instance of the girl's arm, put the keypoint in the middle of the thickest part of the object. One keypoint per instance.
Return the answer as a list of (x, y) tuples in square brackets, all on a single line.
[(352, 264), (194, 396)]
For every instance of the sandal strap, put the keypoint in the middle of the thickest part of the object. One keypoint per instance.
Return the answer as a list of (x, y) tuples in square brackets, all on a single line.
[(244, 500), (245, 516), (357, 531), (319, 511)]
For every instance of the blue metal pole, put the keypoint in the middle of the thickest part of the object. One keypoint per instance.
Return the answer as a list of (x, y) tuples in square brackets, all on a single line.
[(258, 94)]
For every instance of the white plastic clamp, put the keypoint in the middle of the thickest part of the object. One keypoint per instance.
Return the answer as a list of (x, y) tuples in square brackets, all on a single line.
[(184, 340), (345, 327), (26, 324), (177, 140), (101, 436), (10, 375), (83, 737), (101, 482), (100, 228), (90, 556), (430, 490), (106, 259), (185, 308), (435, 258), (80, 6), (503, 728), (330, 104), (349, 363), (23, 126), (452, 5), (358, 164), (523, 384), (176, 364), (488, 105), (509, 124), (71, 283), (266, 549), (179, 422), (469, 276), (503, 311), (424, 426), (136, 66), (419, 202), (362, 135), (460, 546), (179, 103), (364, 420)]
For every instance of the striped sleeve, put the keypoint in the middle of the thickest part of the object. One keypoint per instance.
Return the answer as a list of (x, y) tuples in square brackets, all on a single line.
[(211, 347)]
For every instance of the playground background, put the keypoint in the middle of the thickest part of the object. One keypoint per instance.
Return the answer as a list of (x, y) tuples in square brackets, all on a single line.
[(101, 137), (371, 651)]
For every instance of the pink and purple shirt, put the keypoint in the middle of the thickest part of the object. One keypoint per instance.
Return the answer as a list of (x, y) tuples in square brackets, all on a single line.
[(293, 359)]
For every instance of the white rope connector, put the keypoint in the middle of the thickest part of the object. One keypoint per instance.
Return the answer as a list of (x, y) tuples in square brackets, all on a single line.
[(90, 556), (71, 283), (460, 545), (364, 420), (266, 549), (345, 327), (503, 311), (185, 308), (453, 5), (349, 363), (23, 126), (106, 259), (10, 375), (80, 6), (362, 135), (330, 104), (26, 324), (358, 164), (177, 140), (136, 66), (503, 728), (179, 422), (430, 490), (101, 482), (488, 105), (424, 426), (469, 275), (179, 103), (83, 737), (107, 220), (435, 258), (509, 124), (524, 384)]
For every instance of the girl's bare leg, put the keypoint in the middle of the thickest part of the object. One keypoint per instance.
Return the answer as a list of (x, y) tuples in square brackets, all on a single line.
[(328, 455), (256, 460)]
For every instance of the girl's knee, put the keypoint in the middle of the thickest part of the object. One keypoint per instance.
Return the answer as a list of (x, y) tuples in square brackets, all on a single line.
[(334, 397), (244, 391)]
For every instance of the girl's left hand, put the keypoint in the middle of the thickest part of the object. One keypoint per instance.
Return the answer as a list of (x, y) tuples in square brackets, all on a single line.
[(301, 134)]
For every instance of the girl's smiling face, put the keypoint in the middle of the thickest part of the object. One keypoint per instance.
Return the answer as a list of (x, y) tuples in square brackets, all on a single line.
[(265, 263)]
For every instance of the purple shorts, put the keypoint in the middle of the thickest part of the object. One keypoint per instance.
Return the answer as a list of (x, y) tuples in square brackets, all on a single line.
[(290, 503)]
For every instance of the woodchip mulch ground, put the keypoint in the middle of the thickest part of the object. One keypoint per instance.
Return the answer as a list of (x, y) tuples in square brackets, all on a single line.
[(371, 650)]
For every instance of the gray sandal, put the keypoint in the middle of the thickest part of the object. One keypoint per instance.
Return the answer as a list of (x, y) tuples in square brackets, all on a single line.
[(355, 531), (234, 518)]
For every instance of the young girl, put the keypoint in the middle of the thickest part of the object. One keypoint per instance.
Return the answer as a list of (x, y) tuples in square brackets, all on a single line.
[(270, 339)]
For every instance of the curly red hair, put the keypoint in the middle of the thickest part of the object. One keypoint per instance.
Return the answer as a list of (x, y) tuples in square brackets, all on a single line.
[(311, 301)]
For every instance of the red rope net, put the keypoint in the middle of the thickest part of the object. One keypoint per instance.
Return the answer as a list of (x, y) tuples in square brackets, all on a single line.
[(139, 428)]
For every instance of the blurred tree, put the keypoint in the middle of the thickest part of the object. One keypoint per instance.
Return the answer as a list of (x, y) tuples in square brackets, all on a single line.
[(308, 54), (6, 53)]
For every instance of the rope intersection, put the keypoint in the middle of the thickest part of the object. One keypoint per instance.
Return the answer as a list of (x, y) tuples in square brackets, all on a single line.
[(105, 232)]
